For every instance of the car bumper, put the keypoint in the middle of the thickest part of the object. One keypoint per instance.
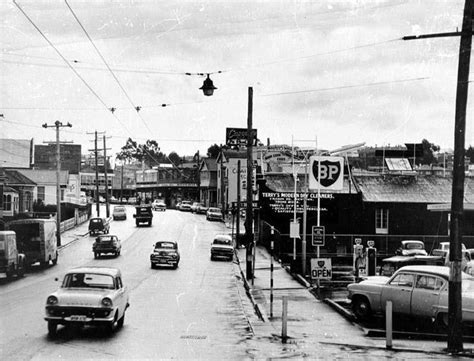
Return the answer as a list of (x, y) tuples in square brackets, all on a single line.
[(80, 315), (222, 254), (120, 217), (105, 250), (164, 260)]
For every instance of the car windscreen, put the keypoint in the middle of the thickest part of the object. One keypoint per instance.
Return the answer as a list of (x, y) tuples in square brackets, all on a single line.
[(222, 241), (119, 209), (169, 245), (105, 239), (214, 210), (88, 280), (97, 220)]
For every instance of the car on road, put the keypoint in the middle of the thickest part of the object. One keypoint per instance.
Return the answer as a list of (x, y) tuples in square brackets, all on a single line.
[(132, 200), (214, 214), (195, 206), (143, 214), (165, 253), (222, 247), (411, 247), (159, 205), (185, 206), (467, 264), (415, 291), (88, 296), (201, 209), (98, 225), (119, 212), (106, 244)]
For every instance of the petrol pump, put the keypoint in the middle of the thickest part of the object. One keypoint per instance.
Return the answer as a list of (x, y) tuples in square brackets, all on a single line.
[(371, 258), (358, 258)]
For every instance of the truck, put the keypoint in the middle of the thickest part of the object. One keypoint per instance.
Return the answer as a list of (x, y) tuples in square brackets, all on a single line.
[(143, 214), (36, 239), (11, 261)]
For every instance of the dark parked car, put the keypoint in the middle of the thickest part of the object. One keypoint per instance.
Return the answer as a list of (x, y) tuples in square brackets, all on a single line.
[(391, 264), (165, 253), (411, 247), (98, 225), (106, 244)]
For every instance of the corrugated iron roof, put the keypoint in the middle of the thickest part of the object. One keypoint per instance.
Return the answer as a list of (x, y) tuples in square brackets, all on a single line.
[(14, 177), (411, 189), (283, 182), (45, 176)]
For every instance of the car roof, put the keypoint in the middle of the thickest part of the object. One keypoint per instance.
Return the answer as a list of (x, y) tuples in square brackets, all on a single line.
[(106, 236), (111, 271), (175, 242), (223, 237), (410, 258), (412, 241), (437, 270)]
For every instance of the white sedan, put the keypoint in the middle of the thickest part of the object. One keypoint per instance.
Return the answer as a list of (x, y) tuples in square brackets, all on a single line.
[(88, 296), (418, 291)]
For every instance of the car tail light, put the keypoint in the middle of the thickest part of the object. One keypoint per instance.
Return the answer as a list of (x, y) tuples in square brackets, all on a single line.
[(52, 300), (107, 302)]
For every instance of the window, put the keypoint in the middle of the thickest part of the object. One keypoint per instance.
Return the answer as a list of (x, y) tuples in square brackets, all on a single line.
[(41, 193), (381, 221), (427, 283), (7, 202), (402, 280)]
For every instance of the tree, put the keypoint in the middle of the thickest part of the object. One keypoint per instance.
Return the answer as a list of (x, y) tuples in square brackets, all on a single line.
[(148, 152), (175, 158), (470, 154), (428, 152), (213, 151)]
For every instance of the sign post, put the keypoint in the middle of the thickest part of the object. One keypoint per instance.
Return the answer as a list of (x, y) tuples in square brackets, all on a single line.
[(318, 236)]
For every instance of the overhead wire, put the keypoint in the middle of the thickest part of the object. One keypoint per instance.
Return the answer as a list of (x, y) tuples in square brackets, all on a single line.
[(136, 107)]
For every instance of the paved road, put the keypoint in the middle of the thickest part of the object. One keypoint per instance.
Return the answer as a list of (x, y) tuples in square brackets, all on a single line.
[(193, 312)]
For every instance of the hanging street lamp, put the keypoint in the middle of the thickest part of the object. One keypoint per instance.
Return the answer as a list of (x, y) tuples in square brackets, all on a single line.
[(208, 87)]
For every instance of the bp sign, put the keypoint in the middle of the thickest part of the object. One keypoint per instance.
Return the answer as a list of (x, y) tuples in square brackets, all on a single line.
[(326, 173), (321, 268)]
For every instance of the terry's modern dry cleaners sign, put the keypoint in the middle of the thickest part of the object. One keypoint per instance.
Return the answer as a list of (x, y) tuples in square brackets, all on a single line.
[(283, 202)]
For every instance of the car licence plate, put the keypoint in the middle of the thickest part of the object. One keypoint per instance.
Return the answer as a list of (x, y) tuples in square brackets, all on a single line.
[(78, 318)]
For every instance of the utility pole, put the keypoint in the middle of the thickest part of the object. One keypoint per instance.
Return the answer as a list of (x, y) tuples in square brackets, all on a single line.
[(198, 177), (455, 339), (107, 207), (97, 205), (249, 212), (121, 184), (57, 125), (238, 204)]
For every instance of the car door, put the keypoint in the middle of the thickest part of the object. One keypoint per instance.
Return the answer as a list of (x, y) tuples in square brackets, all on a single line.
[(426, 295), (121, 299), (399, 291)]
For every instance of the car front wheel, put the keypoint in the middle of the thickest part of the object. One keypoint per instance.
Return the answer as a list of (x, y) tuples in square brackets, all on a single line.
[(361, 308), (121, 320)]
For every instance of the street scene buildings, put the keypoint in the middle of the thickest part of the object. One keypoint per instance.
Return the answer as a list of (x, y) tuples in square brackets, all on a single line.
[(241, 180)]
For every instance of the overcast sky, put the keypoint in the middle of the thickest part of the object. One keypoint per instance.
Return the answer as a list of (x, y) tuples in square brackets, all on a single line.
[(325, 73)]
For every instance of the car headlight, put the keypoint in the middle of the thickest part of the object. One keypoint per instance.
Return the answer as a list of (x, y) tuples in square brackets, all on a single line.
[(51, 300), (107, 302)]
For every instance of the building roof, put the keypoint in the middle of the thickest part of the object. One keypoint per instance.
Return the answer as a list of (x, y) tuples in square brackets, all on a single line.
[(411, 189), (211, 164), (15, 153), (45, 176), (7, 189), (15, 178), (284, 182)]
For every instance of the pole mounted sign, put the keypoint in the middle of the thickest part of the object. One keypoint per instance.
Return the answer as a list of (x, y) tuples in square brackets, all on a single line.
[(318, 235), (326, 173), (321, 268)]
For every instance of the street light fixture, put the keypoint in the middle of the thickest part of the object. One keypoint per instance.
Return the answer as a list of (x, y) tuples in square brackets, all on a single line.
[(208, 87)]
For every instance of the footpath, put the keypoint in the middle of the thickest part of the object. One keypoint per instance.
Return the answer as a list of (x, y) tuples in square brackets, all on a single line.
[(316, 330)]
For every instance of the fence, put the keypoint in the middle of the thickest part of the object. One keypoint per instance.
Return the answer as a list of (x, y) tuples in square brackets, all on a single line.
[(72, 222)]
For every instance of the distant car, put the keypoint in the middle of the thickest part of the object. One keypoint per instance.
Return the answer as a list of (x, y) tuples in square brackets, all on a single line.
[(444, 246), (159, 205), (106, 244), (113, 199), (132, 200), (467, 264), (194, 207), (88, 296), (185, 206), (101, 199), (119, 212), (415, 291), (222, 247), (98, 225), (214, 214), (201, 209), (143, 214), (392, 264), (411, 247), (165, 253), (178, 206)]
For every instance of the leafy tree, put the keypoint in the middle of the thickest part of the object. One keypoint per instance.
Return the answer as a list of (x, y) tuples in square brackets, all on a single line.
[(148, 152), (175, 158), (428, 152), (129, 151), (213, 151)]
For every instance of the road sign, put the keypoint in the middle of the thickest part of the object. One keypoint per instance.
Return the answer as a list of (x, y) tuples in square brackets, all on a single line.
[(326, 173), (321, 268), (318, 236), (294, 229)]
